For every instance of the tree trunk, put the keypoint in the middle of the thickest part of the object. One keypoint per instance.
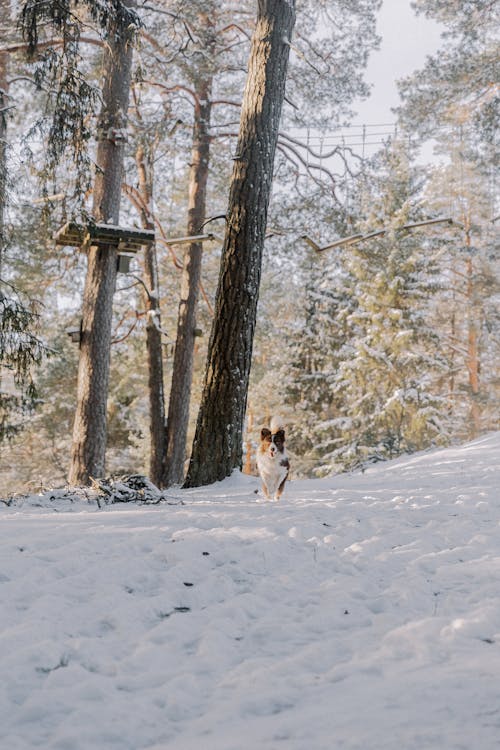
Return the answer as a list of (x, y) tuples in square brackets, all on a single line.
[(4, 103), (473, 365), (217, 447), (153, 330), (90, 426), (247, 469), (182, 373)]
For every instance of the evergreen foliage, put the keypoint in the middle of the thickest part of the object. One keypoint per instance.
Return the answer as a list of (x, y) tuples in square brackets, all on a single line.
[(20, 350), (315, 346), (378, 393), (61, 70), (460, 83), (468, 314)]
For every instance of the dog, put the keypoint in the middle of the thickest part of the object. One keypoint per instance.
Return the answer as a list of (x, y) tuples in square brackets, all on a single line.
[(272, 460)]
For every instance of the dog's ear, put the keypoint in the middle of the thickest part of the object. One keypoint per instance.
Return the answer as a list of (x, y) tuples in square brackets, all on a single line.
[(280, 435), (265, 434)]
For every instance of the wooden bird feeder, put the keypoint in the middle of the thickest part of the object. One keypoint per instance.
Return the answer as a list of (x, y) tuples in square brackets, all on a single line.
[(125, 239), (123, 262), (74, 333)]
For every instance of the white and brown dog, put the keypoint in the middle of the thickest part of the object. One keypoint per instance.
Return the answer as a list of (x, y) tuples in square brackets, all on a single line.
[(272, 460)]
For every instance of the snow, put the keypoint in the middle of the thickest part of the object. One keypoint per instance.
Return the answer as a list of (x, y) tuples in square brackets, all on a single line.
[(361, 611)]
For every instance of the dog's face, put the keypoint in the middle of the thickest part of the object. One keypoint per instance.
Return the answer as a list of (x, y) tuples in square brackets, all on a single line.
[(271, 444)]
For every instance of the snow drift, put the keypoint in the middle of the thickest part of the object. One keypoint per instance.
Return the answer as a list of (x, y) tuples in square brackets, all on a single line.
[(359, 612)]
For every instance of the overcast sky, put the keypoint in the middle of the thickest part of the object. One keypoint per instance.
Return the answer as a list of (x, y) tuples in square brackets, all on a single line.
[(406, 41)]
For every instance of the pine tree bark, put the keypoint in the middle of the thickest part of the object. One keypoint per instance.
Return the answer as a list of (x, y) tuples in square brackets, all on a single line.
[(217, 446), (182, 372), (5, 17), (153, 329), (4, 99), (90, 425)]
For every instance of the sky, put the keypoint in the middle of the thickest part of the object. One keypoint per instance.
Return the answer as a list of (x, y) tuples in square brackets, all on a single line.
[(406, 41)]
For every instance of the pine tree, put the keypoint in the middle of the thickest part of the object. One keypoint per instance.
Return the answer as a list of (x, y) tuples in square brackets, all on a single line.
[(469, 314), (454, 100), (217, 447), (313, 349), (20, 346), (204, 75), (20, 350), (89, 431), (460, 82), (392, 361)]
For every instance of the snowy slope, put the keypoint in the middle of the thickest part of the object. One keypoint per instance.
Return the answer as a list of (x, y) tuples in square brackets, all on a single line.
[(360, 612)]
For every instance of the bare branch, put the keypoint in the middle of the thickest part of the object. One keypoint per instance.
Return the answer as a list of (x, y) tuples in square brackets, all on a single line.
[(228, 47), (140, 281), (28, 80), (289, 101), (173, 89), (299, 53), (308, 148), (338, 150), (130, 330), (213, 218), (313, 49), (235, 27), (228, 102), (309, 167), (136, 198), (23, 47), (161, 49), (176, 17), (207, 301)]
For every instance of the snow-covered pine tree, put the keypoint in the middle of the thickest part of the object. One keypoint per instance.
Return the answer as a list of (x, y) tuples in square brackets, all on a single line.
[(392, 360), (20, 346), (461, 80), (454, 100), (468, 311), (314, 343)]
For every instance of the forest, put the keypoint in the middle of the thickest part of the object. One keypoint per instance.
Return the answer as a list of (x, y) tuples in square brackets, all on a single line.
[(196, 233)]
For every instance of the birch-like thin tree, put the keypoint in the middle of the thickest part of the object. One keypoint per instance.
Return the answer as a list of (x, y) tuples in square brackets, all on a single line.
[(182, 373), (144, 158)]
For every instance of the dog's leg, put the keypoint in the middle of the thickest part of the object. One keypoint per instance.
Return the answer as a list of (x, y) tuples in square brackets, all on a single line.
[(265, 491), (280, 489)]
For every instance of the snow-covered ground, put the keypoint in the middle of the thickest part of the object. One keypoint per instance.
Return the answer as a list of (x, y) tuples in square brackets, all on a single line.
[(359, 613)]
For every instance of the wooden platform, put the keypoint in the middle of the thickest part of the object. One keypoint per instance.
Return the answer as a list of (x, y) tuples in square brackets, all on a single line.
[(125, 239)]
